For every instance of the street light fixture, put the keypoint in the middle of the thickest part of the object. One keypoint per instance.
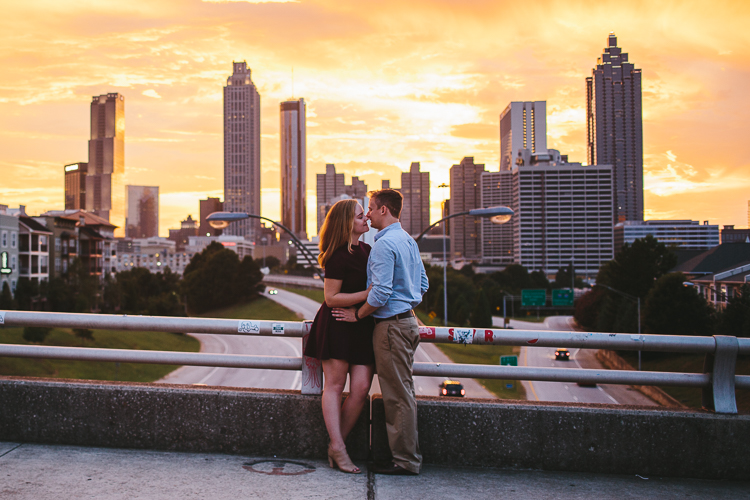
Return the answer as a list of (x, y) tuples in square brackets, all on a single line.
[(497, 215), (220, 220)]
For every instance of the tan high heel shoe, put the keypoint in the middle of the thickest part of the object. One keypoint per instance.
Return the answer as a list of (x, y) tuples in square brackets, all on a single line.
[(341, 460)]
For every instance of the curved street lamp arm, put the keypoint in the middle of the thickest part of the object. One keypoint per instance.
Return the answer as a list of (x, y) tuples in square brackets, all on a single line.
[(297, 243), (438, 222)]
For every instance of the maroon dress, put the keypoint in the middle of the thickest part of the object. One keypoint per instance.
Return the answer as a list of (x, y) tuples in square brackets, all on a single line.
[(331, 339)]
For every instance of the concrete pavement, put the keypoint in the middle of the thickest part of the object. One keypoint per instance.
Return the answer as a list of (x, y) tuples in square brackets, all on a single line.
[(32, 472)]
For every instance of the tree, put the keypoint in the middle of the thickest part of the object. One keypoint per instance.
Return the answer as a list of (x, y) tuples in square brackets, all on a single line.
[(635, 267), (481, 316), (735, 319), (587, 308), (27, 293), (83, 333), (674, 309), (563, 279), (35, 333), (6, 298)]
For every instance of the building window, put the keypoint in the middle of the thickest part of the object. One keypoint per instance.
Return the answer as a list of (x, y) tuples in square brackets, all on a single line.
[(58, 246), (4, 239), (13, 238)]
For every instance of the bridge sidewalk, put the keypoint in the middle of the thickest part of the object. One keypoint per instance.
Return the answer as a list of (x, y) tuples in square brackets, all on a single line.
[(33, 471)]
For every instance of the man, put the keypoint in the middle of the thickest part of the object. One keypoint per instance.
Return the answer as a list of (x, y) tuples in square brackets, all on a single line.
[(399, 281)]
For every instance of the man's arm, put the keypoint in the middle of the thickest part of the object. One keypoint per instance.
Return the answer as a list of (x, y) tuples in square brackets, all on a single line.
[(425, 283), (382, 266)]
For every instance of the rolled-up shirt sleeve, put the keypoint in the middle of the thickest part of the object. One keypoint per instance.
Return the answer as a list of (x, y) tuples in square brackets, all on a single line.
[(382, 266)]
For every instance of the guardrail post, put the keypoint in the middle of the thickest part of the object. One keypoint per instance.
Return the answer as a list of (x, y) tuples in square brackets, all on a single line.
[(719, 396), (312, 370)]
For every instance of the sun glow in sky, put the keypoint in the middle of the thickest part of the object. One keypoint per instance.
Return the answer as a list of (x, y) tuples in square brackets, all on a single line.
[(386, 82)]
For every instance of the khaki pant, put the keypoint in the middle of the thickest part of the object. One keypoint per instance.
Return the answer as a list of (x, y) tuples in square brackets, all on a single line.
[(394, 343)]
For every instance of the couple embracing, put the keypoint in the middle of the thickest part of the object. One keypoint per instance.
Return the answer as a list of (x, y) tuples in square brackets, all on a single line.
[(367, 323)]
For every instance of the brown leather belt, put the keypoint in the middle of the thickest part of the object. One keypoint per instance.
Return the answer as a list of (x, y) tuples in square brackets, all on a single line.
[(407, 314)]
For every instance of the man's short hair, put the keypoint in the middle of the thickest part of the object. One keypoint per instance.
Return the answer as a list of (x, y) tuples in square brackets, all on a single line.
[(390, 198)]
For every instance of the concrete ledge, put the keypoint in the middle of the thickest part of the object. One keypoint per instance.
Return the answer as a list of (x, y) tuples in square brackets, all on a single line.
[(612, 439), (169, 417)]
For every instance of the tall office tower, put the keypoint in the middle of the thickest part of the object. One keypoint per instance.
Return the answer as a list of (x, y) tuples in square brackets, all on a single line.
[(75, 186), (242, 150), (207, 207), (105, 192), (466, 194), (563, 214), (293, 167), (385, 184), (415, 188), (523, 125), (143, 212), (357, 189), (497, 239), (615, 127)]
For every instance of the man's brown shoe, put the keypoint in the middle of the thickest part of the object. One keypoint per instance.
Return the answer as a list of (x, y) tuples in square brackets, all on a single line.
[(390, 469)]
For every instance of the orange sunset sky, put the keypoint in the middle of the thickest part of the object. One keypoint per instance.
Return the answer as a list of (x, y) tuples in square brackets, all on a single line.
[(386, 82)]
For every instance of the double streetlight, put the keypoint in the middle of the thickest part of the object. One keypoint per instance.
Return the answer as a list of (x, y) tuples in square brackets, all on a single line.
[(497, 215), (220, 220)]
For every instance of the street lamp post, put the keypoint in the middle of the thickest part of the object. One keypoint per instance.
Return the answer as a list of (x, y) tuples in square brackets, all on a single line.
[(638, 300), (220, 220), (264, 240), (498, 215)]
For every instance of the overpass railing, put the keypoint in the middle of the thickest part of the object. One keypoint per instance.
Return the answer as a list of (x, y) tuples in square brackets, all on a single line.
[(718, 382)]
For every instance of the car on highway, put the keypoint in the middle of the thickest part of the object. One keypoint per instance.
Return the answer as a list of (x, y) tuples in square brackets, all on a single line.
[(452, 388), (273, 291), (562, 354)]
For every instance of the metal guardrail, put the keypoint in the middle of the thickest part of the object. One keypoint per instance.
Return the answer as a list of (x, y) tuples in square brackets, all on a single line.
[(718, 382)]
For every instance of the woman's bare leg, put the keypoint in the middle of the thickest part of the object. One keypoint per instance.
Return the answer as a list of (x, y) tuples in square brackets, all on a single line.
[(360, 379), (335, 371)]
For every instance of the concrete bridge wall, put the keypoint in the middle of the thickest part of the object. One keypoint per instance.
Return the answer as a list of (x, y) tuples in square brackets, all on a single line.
[(549, 436)]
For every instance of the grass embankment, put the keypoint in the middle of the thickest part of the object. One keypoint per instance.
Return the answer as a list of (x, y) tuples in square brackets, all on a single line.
[(93, 370), (481, 355), (260, 308), (687, 363)]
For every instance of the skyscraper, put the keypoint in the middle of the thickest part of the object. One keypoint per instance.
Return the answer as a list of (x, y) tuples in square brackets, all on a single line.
[(293, 167), (415, 188), (523, 125), (242, 150), (207, 207), (75, 186), (466, 194), (143, 212), (105, 192), (615, 127)]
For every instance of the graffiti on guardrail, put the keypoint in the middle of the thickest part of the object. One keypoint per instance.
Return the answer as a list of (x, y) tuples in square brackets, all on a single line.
[(249, 327), (426, 332), (277, 328)]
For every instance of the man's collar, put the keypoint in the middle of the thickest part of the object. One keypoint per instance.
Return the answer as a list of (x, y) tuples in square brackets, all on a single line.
[(387, 228)]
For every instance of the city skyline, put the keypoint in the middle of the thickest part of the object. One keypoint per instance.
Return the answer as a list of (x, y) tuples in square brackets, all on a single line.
[(431, 91)]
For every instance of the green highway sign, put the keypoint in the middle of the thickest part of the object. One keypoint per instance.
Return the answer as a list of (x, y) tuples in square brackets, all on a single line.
[(534, 297), (562, 297), (509, 360)]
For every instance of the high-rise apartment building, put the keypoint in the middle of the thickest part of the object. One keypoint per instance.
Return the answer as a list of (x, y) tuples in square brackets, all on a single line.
[(293, 167), (207, 207), (143, 212), (497, 239), (105, 192), (75, 186), (330, 188), (415, 188), (242, 150), (682, 234), (523, 125), (563, 213), (615, 127), (466, 194)]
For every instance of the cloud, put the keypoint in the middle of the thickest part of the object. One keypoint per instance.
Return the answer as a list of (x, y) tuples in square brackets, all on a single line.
[(151, 93)]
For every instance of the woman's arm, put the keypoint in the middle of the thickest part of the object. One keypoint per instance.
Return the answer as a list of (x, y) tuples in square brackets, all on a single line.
[(334, 297)]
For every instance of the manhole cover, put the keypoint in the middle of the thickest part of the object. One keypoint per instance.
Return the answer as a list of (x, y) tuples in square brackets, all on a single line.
[(279, 467)]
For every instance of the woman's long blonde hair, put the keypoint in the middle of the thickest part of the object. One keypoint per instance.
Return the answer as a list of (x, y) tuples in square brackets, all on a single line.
[(337, 229)]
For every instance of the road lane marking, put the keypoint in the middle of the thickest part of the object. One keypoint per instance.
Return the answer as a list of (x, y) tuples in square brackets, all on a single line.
[(226, 348), (525, 363), (598, 386)]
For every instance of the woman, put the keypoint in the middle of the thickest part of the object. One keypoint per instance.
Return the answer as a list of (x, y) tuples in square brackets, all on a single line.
[(344, 348)]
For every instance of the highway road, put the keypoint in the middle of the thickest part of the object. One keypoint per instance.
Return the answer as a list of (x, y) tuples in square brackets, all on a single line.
[(280, 379), (569, 392)]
